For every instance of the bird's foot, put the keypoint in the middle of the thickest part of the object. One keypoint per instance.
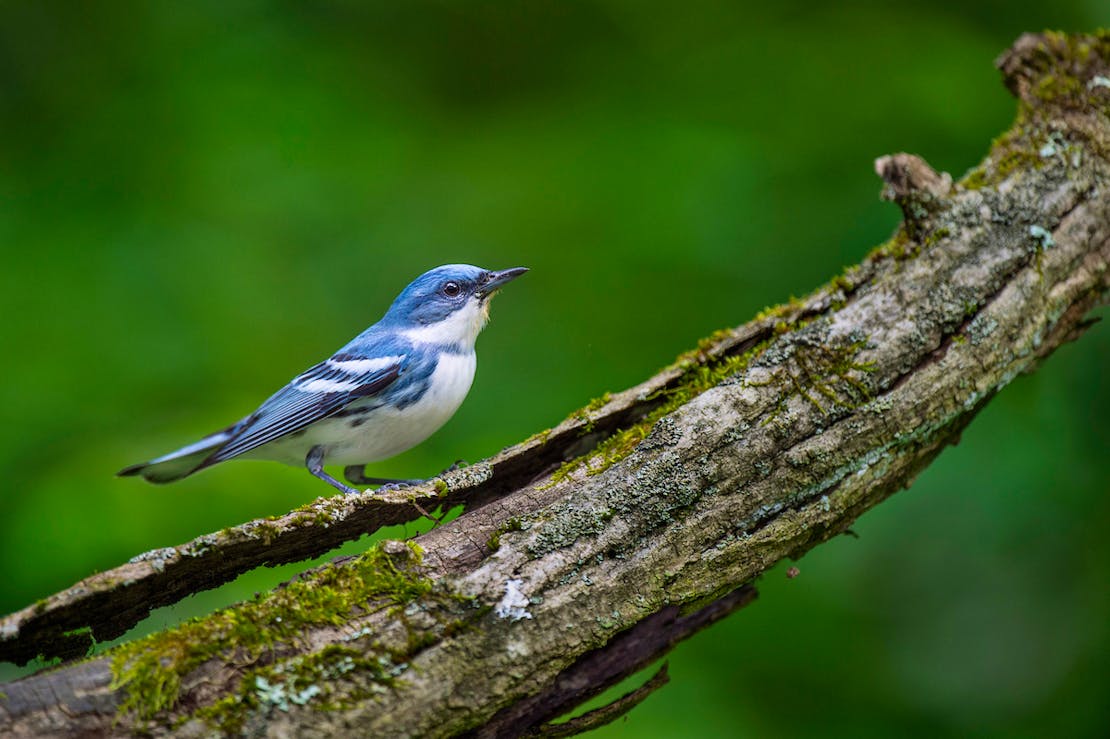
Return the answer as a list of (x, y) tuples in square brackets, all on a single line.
[(356, 475)]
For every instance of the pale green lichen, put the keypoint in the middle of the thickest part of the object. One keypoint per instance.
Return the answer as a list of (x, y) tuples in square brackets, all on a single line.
[(309, 680), (149, 671), (1043, 236)]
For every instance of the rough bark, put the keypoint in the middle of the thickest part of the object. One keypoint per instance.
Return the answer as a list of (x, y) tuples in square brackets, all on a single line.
[(562, 577)]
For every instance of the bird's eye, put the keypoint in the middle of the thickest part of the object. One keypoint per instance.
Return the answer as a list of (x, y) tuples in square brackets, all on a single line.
[(452, 289)]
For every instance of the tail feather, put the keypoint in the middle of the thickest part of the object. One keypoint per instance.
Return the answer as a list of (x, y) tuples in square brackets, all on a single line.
[(180, 463)]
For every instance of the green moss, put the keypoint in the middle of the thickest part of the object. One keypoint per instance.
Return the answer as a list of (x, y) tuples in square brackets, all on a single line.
[(513, 524), (905, 245), (1011, 151), (841, 282), (829, 371), (540, 436), (266, 530), (1002, 163), (694, 381), (598, 403), (307, 515), (898, 247), (583, 414), (307, 680), (702, 352), (792, 306), (1017, 159), (936, 235), (703, 371), (1062, 60), (150, 670), (1052, 87), (976, 179), (1059, 70)]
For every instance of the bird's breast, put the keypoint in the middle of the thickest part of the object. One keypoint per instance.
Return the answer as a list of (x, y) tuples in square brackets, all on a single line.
[(451, 379)]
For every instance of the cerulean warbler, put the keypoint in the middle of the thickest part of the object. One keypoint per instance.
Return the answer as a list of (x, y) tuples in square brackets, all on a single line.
[(386, 391)]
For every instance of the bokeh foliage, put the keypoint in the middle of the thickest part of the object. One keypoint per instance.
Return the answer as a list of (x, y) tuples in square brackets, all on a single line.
[(201, 199)]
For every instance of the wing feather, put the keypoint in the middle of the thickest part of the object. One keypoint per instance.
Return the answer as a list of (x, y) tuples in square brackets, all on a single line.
[(313, 395)]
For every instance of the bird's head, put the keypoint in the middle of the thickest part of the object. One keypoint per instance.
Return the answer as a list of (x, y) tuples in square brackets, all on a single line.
[(448, 305)]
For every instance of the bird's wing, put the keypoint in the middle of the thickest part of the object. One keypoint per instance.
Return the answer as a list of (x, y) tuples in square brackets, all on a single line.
[(314, 394)]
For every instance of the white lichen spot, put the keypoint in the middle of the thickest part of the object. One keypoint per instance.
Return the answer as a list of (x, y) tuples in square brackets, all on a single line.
[(364, 631), (748, 395), (980, 328), (1053, 146), (1042, 235), (164, 555), (304, 696), (1098, 81), (514, 604)]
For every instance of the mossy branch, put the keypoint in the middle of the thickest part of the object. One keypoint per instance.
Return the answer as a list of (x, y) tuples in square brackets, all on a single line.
[(588, 550)]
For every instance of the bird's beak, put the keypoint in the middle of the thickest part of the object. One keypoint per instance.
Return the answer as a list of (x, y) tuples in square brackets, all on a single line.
[(497, 279)]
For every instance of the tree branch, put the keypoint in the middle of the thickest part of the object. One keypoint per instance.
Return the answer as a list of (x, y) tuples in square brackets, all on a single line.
[(587, 551)]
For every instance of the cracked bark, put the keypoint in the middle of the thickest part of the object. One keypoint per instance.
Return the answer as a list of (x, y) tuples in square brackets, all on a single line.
[(822, 409)]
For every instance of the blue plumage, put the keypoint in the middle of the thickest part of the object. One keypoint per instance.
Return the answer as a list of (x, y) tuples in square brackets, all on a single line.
[(385, 391)]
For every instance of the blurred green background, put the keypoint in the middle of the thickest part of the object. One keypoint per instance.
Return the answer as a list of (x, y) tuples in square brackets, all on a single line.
[(201, 199)]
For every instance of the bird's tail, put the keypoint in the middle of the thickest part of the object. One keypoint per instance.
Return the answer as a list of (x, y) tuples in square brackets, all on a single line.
[(181, 463)]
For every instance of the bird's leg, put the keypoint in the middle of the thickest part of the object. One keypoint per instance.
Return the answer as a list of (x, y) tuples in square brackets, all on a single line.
[(315, 463), (356, 475)]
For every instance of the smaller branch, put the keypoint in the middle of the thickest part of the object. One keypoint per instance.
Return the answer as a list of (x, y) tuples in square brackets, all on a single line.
[(606, 714), (626, 654)]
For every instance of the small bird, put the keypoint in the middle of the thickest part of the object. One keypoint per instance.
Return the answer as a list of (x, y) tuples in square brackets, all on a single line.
[(386, 391)]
